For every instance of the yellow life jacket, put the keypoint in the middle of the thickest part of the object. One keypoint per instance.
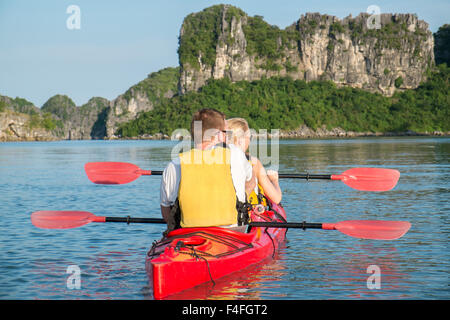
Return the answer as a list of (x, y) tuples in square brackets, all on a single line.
[(206, 194), (254, 198)]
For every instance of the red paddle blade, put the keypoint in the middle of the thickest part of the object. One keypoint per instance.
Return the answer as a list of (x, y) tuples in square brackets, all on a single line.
[(112, 172), (369, 179), (371, 229), (63, 219)]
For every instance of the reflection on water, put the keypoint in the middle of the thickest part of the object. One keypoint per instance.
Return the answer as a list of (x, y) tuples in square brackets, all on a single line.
[(353, 270), (312, 264), (246, 284)]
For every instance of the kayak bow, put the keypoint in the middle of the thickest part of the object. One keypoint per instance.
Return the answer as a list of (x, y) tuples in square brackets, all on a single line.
[(191, 256)]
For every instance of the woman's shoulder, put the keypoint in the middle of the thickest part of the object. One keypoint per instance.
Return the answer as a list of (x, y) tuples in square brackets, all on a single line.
[(255, 161)]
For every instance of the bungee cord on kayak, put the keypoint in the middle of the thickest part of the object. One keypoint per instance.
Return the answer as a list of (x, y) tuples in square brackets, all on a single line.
[(225, 240), (189, 248)]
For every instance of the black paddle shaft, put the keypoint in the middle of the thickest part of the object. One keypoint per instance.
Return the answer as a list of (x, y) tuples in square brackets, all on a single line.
[(306, 176), (134, 220), (294, 225)]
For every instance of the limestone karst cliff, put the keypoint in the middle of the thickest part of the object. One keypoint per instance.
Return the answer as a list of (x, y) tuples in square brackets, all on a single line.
[(141, 97), (223, 41)]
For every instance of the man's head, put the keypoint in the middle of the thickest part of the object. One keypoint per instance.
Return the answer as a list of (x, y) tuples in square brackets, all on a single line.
[(208, 125)]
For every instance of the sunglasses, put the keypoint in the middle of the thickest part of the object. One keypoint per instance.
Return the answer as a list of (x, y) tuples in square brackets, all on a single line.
[(226, 132)]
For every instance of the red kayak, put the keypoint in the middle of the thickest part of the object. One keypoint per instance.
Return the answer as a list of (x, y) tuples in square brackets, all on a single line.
[(191, 256)]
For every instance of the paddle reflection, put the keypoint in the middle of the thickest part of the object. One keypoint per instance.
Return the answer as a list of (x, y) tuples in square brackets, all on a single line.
[(356, 270)]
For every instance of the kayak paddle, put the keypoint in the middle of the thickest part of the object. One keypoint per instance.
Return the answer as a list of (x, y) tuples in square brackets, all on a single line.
[(115, 172), (363, 179), (364, 229)]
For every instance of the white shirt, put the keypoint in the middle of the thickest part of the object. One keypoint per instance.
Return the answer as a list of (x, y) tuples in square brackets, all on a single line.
[(241, 171)]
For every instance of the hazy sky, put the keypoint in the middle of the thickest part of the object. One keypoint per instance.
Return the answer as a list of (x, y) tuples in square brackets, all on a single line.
[(120, 42)]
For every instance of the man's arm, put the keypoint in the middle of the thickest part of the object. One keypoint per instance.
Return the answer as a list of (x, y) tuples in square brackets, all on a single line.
[(169, 189), (165, 212)]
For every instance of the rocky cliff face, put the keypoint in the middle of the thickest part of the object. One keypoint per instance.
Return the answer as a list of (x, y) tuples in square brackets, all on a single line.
[(316, 47), (59, 118), (140, 98), (77, 123), (15, 126), (122, 110), (20, 120)]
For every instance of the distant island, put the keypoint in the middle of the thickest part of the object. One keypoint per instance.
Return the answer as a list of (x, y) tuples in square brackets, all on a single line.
[(319, 77)]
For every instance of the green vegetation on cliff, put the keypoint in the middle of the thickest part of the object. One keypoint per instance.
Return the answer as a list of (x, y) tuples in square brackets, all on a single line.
[(61, 106), (442, 45), (262, 40), (283, 103), (157, 86), (45, 121), (200, 32), (36, 118), (200, 36), (18, 105)]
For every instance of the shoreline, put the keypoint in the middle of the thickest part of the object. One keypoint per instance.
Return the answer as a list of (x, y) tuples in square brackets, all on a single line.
[(289, 135), (302, 133)]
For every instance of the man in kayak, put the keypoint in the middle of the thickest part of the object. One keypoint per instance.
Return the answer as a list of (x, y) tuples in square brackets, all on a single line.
[(266, 181), (206, 185)]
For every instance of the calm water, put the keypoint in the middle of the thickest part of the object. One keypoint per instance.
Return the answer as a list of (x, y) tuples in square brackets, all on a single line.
[(312, 264)]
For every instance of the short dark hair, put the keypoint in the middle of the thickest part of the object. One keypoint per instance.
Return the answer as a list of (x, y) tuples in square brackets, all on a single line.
[(210, 118)]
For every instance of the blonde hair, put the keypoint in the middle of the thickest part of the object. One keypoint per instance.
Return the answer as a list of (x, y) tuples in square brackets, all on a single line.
[(239, 127)]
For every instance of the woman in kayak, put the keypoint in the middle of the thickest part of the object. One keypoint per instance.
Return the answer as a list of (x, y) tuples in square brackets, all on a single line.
[(267, 181)]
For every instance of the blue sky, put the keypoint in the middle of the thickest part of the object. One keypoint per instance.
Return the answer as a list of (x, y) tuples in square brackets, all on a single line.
[(121, 42)]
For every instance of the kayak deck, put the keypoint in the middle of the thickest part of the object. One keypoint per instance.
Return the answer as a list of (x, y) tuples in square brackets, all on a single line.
[(191, 256)]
